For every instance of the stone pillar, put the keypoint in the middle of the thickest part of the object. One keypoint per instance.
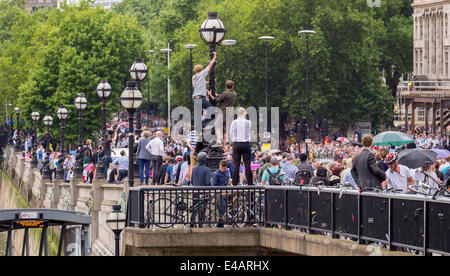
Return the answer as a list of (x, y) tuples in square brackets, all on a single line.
[(413, 118), (442, 120), (433, 123), (406, 116), (427, 111)]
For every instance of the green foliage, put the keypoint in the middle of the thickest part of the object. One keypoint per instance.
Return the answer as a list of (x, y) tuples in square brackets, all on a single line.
[(356, 57)]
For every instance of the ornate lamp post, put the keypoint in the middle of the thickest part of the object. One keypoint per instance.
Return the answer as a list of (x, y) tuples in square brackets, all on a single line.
[(48, 122), (18, 146), (308, 100), (167, 52), (131, 100), (190, 47), (80, 104), (138, 72), (104, 91), (267, 39), (35, 116), (212, 32), (62, 115), (150, 53), (116, 222), (229, 43)]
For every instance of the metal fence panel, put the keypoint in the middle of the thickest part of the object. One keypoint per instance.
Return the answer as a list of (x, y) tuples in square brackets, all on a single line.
[(346, 214), (321, 211), (298, 209), (374, 218), (438, 230), (275, 207), (407, 222)]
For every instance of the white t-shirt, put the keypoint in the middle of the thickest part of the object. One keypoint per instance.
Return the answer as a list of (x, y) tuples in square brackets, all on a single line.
[(398, 181)]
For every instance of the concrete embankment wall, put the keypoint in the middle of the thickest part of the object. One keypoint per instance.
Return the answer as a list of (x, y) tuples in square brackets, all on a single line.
[(23, 187)]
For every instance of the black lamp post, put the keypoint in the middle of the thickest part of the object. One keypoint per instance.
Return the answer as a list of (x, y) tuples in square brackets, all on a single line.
[(62, 115), (229, 43), (267, 39), (138, 72), (131, 100), (116, 222), (35, 116), (212, 32), (308, 100), (18, 146), (167, 52), (190, 47), (104, 91), (150, 53), (80, 104), (48, 121)]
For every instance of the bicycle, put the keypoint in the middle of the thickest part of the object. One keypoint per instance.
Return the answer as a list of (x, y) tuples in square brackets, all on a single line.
[(183, 210)]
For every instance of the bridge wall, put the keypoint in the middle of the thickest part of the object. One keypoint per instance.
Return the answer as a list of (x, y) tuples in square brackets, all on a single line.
[(23, 187)]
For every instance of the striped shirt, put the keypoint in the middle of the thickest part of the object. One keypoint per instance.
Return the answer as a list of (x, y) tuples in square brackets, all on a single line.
[(193, 138), (240, 130)]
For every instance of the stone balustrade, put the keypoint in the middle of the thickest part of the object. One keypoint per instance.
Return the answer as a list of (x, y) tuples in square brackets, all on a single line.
[(94, 199)]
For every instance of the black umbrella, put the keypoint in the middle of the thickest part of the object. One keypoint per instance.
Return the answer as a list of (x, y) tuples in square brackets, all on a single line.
[(416, 158)]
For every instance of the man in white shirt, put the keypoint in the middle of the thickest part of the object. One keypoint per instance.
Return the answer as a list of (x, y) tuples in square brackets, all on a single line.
[(398, 177), (240, 137), (156, 149)]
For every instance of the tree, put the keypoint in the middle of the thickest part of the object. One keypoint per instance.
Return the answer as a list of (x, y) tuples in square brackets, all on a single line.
[(78, 47)]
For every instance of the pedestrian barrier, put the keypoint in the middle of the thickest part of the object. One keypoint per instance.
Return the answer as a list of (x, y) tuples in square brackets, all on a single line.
[(409, 222)]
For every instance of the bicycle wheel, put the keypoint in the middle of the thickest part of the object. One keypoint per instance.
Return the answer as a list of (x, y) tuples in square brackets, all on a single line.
[(204, 214), (163, 213)]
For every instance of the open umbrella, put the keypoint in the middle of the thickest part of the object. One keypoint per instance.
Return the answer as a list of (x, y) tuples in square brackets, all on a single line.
[(416, 158), (392, 138), (442, 153), (342, 139)]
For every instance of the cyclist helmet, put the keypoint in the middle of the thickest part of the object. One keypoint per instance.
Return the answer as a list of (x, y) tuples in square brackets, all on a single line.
[(391, 157)]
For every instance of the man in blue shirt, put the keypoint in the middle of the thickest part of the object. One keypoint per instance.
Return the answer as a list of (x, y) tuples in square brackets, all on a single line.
[(221, 178), (275, 170), (122, 160), (169, 173), (288, 167)]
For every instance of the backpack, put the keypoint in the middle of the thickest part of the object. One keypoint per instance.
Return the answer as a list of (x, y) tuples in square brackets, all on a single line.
[(275, 179), (302, 178)]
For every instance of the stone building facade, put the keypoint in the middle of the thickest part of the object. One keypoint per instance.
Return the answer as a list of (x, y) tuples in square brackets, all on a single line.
[(425, 98)]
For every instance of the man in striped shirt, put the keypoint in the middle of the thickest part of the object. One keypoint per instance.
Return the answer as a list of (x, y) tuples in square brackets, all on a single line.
[(240, 137)]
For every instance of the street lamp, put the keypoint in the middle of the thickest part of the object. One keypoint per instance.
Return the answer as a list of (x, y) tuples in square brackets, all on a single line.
[(212, 32), (131, 99), (62, 115), (46, 173), (80, 105), (229, 43), (167, 52), (35, 116), (307, 33), (138, 73), (18, 141), (104, 91), (150, 53), (190, 47), (116, 222), (267, 39)]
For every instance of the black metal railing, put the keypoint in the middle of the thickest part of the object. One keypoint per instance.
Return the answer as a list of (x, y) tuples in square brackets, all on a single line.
[(413, 222), (167, 206)]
